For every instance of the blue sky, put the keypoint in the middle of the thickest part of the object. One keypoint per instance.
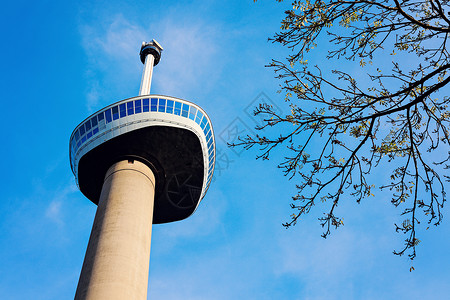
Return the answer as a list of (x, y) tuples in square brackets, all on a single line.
[(63, 60)]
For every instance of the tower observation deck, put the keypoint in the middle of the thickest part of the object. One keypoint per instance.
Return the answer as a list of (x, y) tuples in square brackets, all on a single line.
[(143, 160)]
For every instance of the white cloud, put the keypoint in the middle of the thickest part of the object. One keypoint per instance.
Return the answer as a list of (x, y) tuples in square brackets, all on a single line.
[(118, 39), (54, 210), (93, 95), (190, 57), (112, 51)]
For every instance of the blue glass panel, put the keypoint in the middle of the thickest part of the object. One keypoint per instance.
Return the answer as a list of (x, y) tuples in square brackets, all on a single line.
[(123, 110), (208, 127), (100, 116), (130, 108), (83, 139), (78, 144), (184, 113), (154, 104), (204, 122), (115, 112), (82, 131), (169, 108), (108, 115), (192, 113), (89, 135), (145, 105), (77, 135), (95, 130), (94, 121), (87, 125), (137, 106), (177, 108), (208, 135), (162, 105), (198, 118)]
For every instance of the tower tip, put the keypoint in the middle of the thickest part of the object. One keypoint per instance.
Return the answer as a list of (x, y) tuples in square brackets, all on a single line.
[(153, 48)]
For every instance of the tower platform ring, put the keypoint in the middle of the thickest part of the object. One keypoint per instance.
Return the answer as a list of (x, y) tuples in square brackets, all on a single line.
[(153, 129)]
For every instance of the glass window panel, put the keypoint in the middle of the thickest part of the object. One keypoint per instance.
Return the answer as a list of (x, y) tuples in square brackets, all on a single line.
[(78, 144), (83, 139), (208, 127), (177, 108), (77, 135), (154, 104), (123, 110), (137, 106), (169, 108), (95, 130), (198, 118), (162, 105), (108, 116), (82, 131), (204, 122), (89, 135), (100, 116), (184, 113), (208, 135), (130, 108), (192, 113), (87, 125), (115, 112), (94, 121), (145, 105)]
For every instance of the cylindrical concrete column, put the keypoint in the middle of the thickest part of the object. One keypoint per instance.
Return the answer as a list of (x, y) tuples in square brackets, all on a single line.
[(117, 257)]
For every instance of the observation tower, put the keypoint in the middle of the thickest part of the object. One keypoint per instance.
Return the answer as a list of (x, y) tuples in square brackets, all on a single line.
[(143, 160)]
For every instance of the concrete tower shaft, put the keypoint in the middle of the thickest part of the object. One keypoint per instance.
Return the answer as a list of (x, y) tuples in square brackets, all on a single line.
[(117, 258)]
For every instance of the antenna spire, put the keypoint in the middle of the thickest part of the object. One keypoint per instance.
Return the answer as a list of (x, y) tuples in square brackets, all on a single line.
[(154, 49)]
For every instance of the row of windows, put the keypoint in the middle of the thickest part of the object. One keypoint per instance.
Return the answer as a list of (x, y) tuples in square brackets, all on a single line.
[(92, 126)]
